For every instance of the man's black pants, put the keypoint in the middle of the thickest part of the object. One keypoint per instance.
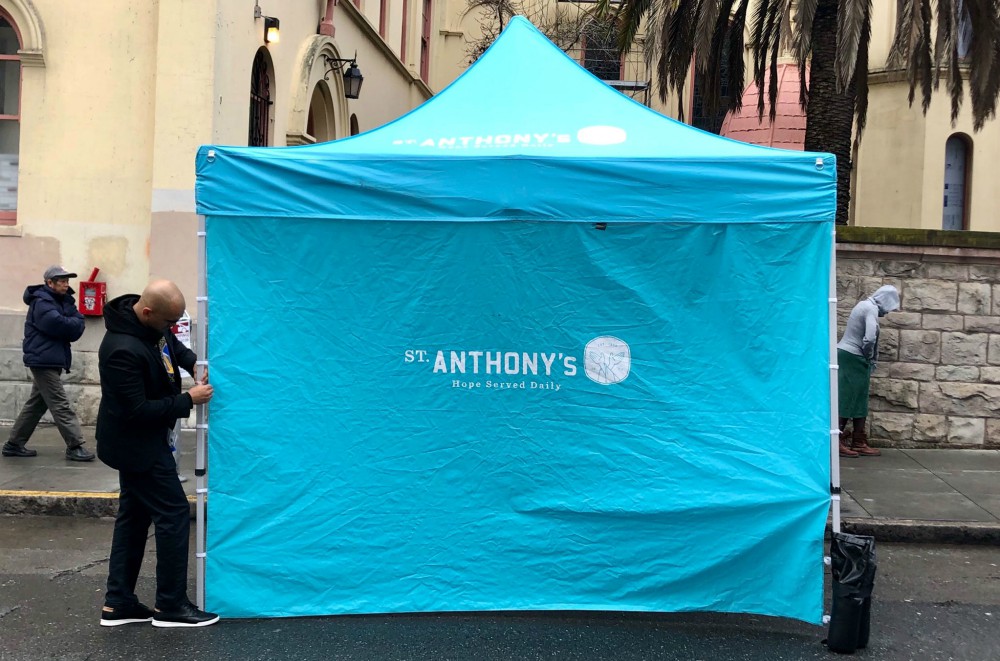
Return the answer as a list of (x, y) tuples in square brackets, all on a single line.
[(153, 496)]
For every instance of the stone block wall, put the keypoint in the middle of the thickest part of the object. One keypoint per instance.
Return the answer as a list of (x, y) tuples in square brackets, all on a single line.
[(938, 379)]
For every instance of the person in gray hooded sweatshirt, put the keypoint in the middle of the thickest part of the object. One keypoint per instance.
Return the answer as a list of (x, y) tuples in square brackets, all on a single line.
[(857, 356)]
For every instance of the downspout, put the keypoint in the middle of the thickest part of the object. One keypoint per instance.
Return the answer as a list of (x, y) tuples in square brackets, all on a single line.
[(326, 25)]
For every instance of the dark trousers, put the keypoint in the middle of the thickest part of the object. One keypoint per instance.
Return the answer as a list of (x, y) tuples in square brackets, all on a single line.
[(154, 496)]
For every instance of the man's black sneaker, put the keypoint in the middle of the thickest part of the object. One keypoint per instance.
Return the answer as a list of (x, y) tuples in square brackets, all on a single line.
[(187, 615), (79, 453), (112, 616), (17, 451)]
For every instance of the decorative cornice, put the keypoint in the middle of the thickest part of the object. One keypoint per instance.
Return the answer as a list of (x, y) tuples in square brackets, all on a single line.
[(885, 75), (32, 58)]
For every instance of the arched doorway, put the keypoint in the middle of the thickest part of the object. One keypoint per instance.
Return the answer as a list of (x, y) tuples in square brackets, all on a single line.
[(320, 124)]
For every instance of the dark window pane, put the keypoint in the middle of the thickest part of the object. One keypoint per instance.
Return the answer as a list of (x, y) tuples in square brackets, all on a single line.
[(9, 45), (10, 78)]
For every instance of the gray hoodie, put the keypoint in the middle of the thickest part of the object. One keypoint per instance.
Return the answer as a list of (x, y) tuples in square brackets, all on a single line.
[(861, 333)]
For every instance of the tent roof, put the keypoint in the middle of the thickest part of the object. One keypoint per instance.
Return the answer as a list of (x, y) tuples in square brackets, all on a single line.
[(524, 134)]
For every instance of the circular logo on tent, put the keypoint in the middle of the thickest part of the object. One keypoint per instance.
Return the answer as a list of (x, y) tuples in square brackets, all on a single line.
[(601, 135), (607, 360)]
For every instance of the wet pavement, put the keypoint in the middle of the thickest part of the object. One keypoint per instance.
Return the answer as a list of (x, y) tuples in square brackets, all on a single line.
[(931, 603)]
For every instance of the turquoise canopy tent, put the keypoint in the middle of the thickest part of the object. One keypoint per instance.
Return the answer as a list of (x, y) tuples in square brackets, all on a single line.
[(530, 346)]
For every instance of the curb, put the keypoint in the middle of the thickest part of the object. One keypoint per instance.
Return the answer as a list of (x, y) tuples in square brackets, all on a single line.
[(86, 504), (908, 531)]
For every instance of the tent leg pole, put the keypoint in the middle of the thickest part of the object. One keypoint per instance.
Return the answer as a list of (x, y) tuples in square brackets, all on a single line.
[(834, 394), (201, 419)]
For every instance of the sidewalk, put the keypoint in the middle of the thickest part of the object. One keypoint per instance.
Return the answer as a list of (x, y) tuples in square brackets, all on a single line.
[(49, 484), (941, 496)]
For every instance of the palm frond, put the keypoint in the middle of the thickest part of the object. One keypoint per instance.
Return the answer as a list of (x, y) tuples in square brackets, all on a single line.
[(805, 14), (737, 65), (629, 16), (983, 59), (704, 35), (861, 78), (946, 41), (765, 44), (851, 20), (717, 52), (906, 35)]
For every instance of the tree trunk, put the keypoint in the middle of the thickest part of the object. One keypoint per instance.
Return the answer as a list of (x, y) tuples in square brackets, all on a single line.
[(830, 115)]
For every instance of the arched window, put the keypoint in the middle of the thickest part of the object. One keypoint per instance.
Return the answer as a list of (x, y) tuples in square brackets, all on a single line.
[(10, 116), (355, 129), (957, 173), (260, 101)]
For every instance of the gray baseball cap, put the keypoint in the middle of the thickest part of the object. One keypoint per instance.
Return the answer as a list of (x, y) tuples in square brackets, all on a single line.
[(56, 271)]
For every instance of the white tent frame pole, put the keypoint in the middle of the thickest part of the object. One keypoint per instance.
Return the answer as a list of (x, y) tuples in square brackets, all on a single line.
[(834, 393), (201, 419)]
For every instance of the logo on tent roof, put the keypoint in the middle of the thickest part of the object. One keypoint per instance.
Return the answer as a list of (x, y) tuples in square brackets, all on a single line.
[(588, 135), (601, 135)]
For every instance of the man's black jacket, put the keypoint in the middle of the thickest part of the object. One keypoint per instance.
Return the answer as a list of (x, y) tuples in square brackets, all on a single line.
[(140, 400)]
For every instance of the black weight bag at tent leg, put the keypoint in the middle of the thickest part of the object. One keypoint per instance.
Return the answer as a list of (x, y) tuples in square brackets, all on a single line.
[(853, 568)]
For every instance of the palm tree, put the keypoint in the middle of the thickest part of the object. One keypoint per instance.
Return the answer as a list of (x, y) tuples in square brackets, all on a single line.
[(832, 38)]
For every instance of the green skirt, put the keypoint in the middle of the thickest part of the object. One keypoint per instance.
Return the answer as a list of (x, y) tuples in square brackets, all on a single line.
[(852, 379)]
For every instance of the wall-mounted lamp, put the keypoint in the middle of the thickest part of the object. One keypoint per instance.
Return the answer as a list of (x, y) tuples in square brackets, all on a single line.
[(271, 32), (352, 74)]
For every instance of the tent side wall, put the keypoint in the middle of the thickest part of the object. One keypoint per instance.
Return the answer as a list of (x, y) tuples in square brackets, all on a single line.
[(517, 415)]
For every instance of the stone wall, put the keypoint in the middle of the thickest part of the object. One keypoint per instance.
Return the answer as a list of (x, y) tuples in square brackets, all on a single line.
[(938, 379)]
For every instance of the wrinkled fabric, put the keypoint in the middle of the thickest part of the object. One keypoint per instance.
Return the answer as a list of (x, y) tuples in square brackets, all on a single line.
[(508, 416)]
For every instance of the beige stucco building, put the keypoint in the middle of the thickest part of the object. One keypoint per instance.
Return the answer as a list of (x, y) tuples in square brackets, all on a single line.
[(104, 105), (98, 133)]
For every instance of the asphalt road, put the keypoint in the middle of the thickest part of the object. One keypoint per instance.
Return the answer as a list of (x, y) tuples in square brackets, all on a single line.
[(932, 602)]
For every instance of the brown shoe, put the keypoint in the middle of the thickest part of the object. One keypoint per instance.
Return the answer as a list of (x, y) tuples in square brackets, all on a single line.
[(859, 444), (866, 450), (846, 451)]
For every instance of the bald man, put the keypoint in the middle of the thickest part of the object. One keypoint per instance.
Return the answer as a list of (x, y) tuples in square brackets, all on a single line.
[(141, 399)]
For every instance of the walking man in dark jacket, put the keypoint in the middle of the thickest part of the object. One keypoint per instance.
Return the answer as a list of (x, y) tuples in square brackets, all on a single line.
[(52, 323), (141, 399)]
